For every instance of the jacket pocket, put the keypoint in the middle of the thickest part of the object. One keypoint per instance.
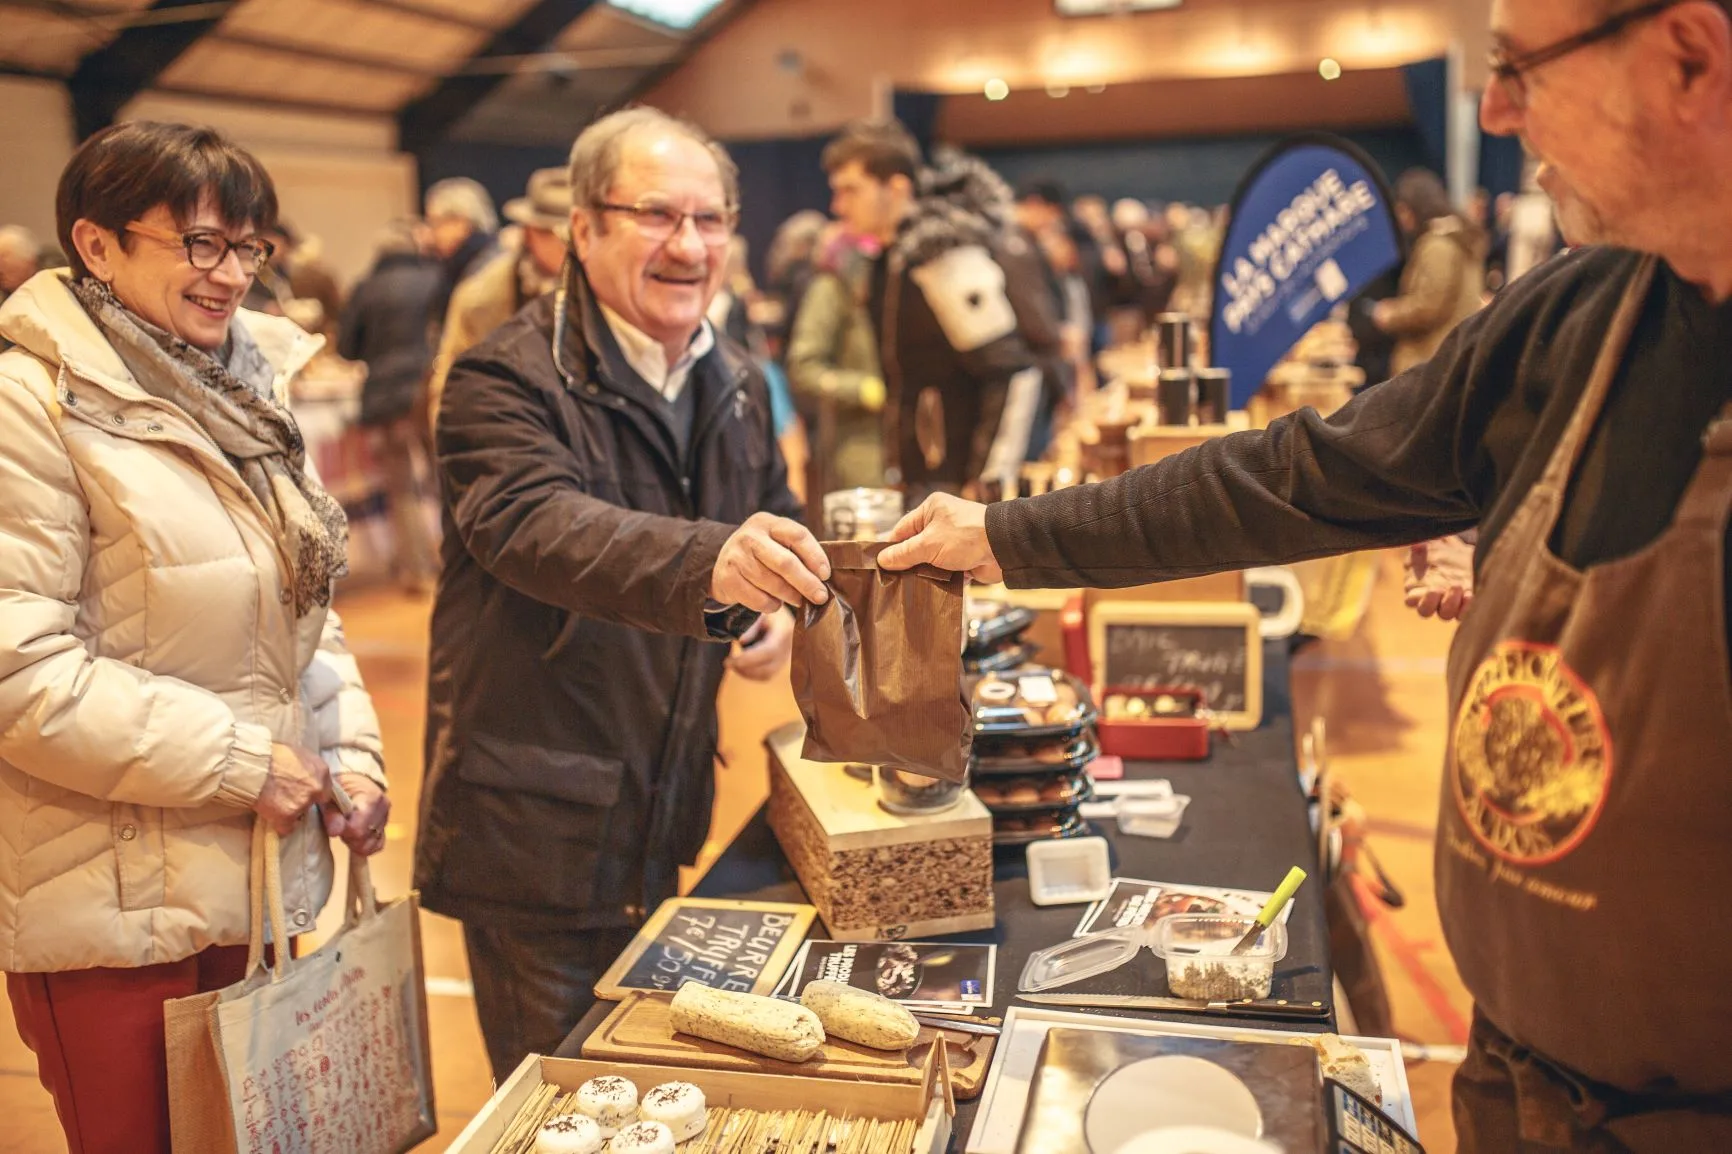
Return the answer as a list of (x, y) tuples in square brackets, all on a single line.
[(139, 856), (560, 774), (533, 828)]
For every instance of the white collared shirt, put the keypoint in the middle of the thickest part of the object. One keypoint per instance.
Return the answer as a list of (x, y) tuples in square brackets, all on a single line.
[(646, 355)]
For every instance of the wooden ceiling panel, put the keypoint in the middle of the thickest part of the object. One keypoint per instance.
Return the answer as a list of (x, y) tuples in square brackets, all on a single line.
[(237, 70), (45, 42), (347, 28)]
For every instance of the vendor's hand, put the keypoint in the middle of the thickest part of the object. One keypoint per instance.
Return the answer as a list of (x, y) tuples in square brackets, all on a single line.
[(1439, 578), (764, 650), (363, 827), (770, 562), (298, 780), (947, 532)]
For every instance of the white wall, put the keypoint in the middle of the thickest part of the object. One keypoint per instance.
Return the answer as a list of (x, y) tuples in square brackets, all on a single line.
[(35, 142), (339, 178)]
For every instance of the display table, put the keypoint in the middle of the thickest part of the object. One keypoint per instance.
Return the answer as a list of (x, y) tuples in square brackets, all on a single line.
[(1245, 826)]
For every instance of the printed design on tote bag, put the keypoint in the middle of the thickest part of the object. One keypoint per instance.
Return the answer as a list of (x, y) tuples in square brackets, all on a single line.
[(1531, 755)]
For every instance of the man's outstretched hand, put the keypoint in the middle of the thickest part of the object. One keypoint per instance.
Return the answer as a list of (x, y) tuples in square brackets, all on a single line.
[(947, 532), (770, 562), (1439, 578)]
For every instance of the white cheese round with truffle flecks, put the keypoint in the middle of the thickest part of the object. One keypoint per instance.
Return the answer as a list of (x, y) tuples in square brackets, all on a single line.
[(610, 1100), (568, 1134), (643, 1138), (678, 1105)]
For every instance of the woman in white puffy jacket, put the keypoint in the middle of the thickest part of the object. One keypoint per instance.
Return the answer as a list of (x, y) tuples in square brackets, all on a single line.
[(169, 665)]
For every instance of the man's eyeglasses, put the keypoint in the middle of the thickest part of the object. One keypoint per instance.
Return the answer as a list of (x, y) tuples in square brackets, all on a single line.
[(659, 222), (206, 250), (1511, 72)]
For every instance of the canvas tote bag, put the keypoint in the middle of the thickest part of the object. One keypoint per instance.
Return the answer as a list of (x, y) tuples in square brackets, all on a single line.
[(323, 1053)]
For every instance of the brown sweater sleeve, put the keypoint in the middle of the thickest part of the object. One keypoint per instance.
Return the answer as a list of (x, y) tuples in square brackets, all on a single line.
[(1381, 471)]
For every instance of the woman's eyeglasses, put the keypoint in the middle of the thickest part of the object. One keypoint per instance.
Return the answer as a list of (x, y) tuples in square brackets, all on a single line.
[(205, 250), (658, 222), (1511, 72)]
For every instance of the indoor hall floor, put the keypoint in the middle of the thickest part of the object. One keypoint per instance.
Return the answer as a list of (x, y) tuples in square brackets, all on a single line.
[(1381, 695)]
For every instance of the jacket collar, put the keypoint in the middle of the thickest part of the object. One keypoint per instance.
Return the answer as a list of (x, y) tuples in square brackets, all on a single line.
[(44, 319), (585, 348)]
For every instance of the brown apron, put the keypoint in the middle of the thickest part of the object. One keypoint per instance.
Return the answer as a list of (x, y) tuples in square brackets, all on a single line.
[(1584, 859)]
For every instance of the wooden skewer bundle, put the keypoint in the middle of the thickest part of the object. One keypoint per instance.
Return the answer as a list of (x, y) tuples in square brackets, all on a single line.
[(736, 1131)]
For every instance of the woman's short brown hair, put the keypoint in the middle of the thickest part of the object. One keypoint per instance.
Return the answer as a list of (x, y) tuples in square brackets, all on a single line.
[(123, 172)]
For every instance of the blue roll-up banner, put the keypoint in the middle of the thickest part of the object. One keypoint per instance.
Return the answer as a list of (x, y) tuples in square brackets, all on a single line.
[(1312, 223)]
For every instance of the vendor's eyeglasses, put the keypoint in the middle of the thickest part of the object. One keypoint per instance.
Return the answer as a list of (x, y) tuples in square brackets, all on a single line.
[(205, 250), (1511, 72), (659, 222)]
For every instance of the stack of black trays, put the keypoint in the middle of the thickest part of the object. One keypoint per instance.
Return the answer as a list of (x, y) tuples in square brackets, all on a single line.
[(1034, 736)]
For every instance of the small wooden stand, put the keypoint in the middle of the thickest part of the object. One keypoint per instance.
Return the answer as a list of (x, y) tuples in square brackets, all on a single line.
[(871, 873)]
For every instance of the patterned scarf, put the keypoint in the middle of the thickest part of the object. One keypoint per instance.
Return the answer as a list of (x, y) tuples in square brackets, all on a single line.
[(232, 403)]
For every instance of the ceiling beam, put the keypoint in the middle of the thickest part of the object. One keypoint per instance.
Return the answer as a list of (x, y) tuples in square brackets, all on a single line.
[(430, 118), (26, 72), (322, 56), (154, 38)]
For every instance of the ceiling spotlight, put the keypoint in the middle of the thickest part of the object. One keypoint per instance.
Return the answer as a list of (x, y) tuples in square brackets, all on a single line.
[(997, 89), (1329, 69), (1095, 89), (1057, 90)]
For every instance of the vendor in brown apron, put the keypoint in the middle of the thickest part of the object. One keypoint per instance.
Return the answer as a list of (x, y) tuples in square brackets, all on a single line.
[(1584, 852)]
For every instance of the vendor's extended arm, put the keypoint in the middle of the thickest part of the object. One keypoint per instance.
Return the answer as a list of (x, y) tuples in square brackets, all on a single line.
[(1384, 470)]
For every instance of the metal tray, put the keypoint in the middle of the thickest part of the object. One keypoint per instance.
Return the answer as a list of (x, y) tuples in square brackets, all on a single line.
[(1003, 1104)]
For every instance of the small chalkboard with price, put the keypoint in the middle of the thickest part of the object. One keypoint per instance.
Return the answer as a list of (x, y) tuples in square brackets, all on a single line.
[(1212, 647), (730, 945)]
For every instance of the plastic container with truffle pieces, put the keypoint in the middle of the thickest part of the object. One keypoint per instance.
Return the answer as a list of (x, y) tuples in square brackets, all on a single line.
[(1033, 701), (1198, 949)]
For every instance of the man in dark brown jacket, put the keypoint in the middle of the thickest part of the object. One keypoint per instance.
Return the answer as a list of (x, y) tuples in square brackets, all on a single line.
[(616, 513)]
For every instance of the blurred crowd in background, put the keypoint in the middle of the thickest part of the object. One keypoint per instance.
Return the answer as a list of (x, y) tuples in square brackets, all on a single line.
[(1086, 274)]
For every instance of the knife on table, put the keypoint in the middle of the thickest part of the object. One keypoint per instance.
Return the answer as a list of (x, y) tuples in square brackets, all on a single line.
[(1271, 1008)]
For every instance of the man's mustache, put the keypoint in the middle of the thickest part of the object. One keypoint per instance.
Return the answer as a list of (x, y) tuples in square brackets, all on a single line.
[(680, 272)]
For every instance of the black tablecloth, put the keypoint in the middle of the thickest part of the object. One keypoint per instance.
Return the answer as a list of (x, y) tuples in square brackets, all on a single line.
[(1246, 825)]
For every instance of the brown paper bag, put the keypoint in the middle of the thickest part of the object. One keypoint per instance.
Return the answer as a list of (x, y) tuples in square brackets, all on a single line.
[(325, 1052), (877, 669)]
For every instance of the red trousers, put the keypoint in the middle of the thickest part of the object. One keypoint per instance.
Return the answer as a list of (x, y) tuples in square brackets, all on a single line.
[(98, 1039)]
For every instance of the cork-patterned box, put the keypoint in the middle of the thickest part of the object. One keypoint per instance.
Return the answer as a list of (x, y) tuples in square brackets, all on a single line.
[(871, 873)]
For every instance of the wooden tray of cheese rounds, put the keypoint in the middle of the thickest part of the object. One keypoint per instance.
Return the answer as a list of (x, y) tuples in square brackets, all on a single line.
[(640, 1029)]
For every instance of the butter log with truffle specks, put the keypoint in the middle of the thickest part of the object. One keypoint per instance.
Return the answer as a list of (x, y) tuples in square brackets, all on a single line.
[(860, 1016), (776, 1029)]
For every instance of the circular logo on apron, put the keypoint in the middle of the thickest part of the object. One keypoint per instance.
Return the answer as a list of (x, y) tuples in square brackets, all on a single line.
[(1532, 755)]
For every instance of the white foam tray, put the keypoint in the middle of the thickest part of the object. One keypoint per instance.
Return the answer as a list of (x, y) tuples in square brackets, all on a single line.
[(998, 1122)]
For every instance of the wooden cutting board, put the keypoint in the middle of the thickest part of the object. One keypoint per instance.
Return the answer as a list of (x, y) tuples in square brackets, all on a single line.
[(639, 1030)]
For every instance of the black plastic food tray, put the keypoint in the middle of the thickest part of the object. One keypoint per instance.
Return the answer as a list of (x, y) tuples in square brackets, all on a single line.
[(1080, 749)]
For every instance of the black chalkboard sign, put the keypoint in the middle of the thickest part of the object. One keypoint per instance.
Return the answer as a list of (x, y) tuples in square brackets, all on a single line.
[(730, 945), (1212, 647)]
